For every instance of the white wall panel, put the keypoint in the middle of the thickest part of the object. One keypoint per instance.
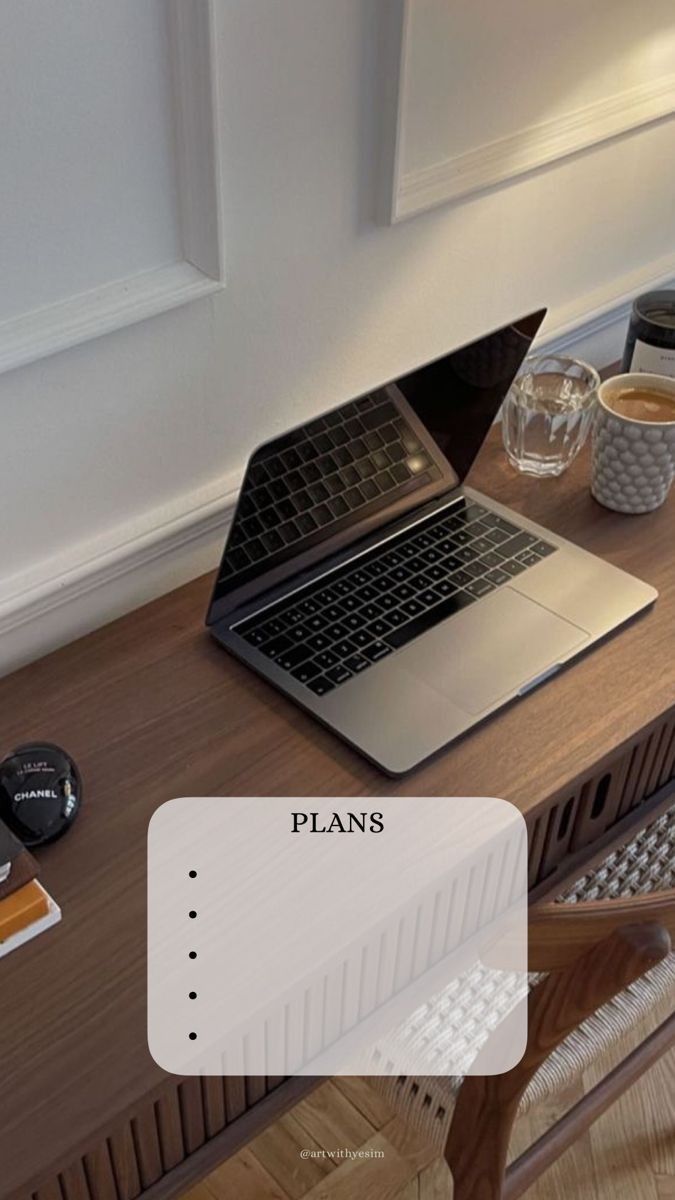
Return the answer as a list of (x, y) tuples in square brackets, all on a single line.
[(109, 193), (89, 190), (486, 92)]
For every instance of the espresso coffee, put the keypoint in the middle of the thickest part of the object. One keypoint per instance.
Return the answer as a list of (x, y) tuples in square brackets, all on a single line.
[(642, 404)]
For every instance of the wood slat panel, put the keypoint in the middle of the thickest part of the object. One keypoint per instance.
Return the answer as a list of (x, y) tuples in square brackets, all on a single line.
[(50, 1191), (659, 759), (560, 831), (213, 1100), (630, 790), (99, 1171), (536, 843), (192, 1114), (255, 1089), (146, 1141), (74, 1182), (645, 770), (125, 1163), (170, 1130), (668, 771), (235, 1096)]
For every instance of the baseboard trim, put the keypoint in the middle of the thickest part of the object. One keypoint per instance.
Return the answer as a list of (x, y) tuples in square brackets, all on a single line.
[(94, 582), (61, 599)]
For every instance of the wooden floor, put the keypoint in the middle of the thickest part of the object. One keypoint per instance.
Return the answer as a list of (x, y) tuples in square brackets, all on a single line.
[(629, 1154)]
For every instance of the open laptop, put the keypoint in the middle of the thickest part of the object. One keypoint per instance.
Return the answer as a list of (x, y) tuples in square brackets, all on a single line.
[(398, 607)]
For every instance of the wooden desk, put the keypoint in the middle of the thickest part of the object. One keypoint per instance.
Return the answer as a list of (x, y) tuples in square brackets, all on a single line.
[(152, 708)]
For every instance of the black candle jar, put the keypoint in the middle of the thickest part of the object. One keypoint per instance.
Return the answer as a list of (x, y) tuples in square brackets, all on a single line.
[(650, 343)]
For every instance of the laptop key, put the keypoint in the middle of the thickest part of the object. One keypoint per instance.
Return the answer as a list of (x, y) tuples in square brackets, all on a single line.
[(344, 648), (376, 651), (475, 569), (353, 621), (446, 587), (370, 612), (361, 638), (333, 612), (292, 658), (435, 572), (396, 617), (338, 674), (277, 646), (501, 523), (337, 631), (298, 634), (400, 574), (497, 537), (528, 559), (273, 628), (412, 607), (513, 567), (543, 549), (428, 597), (481, 544), (308, 670), (376, 568), (433, 616), (514, 545), (367, 593), (378, 628), (460, 578), (466, 554), (349, 603), (319, 641), (255, 637), (356, 663), (492, 559), (497, 577), (320, 685), (480, 587), (327, 659)]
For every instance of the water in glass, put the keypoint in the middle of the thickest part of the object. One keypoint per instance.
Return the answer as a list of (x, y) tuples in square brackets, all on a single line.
[(547, 414)]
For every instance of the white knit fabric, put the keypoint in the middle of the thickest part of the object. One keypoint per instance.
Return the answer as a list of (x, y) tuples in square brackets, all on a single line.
[(645, 864)]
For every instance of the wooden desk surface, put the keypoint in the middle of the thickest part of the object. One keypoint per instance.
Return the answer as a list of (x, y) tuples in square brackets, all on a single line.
[(151, 708)]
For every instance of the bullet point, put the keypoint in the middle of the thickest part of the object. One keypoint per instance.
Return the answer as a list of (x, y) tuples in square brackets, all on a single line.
[(193, 954), (192, 914), (192, 1036), (193, 874), (193, 995)]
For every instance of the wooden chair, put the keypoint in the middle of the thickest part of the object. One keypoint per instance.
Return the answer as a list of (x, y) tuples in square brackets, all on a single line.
[(601, 959)]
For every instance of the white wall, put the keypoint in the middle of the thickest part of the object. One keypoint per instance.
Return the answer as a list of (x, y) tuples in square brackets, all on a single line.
[(120, 457)]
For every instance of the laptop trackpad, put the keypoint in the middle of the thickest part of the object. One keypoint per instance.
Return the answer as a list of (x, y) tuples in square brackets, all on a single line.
[(491, 649)]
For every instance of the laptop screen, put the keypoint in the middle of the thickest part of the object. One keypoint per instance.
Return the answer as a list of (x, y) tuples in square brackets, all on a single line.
[(353, 469)]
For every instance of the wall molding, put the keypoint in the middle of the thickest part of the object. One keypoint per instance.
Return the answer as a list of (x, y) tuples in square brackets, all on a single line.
[(525, 150), (93, 582), (78, 318)]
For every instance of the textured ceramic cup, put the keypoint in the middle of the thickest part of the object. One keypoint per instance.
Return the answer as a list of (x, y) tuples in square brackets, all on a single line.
[(633, 461)]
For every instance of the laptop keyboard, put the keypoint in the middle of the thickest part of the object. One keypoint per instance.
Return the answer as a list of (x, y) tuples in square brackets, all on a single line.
[(334, 629), (316, 479)]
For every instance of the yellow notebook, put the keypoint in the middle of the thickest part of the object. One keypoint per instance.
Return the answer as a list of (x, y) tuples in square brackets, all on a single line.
[(21, 909)]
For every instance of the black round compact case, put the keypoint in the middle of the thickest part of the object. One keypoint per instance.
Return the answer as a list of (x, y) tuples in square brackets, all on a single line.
[(40, 792)]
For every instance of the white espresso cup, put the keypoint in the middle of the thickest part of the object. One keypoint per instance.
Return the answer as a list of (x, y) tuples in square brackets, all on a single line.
[(633, 460)]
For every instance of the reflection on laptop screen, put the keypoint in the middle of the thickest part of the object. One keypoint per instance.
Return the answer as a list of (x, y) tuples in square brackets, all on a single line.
[(371, 458)]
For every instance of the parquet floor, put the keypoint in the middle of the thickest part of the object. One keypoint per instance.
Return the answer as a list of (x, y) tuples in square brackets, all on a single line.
[(629, 1154)]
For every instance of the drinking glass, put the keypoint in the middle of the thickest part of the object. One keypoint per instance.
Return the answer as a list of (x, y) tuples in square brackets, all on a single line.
[(547, 413)]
